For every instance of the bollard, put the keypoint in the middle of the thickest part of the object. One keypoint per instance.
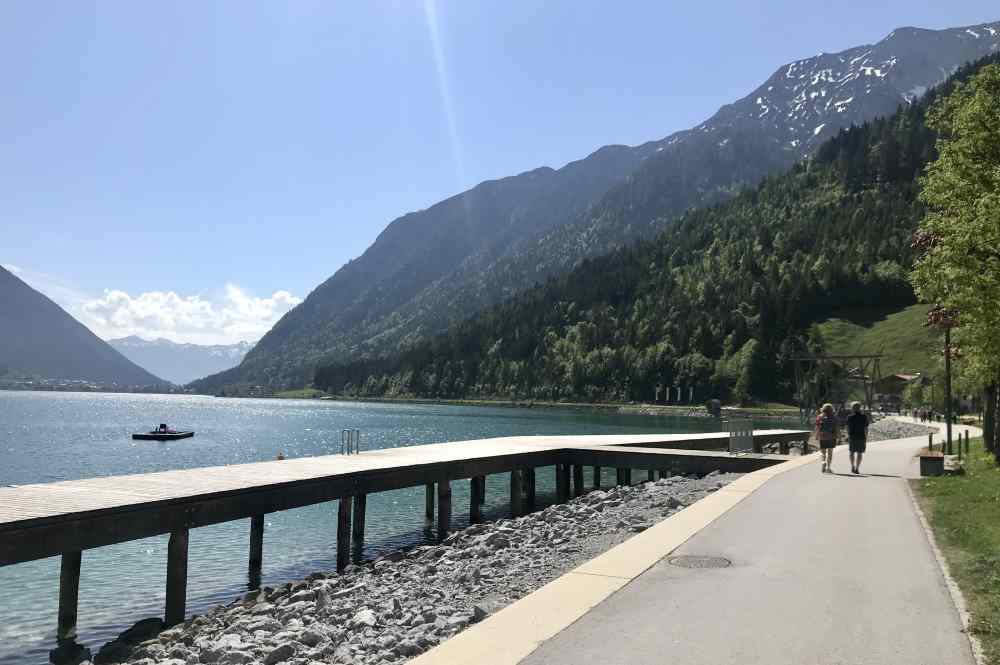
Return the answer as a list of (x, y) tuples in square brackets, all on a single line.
[(930, 442)]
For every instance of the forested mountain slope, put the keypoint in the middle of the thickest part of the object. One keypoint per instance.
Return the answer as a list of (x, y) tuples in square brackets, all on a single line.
[(435, 267), (721, 300), (38, 338)]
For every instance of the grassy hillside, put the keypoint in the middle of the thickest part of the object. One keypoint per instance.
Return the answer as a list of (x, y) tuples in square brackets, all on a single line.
[(908, 345)]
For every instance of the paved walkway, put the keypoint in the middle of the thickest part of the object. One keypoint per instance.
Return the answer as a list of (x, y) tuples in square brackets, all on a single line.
[(826, 569)]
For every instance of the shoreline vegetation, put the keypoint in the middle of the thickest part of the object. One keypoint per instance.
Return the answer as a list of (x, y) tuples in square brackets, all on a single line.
[(964, 514), (776, 410)]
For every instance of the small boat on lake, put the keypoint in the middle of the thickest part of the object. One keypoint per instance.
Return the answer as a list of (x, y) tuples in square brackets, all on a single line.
[(163, 433)]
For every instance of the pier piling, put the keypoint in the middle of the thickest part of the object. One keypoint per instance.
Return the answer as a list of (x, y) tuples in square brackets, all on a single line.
[(177, 564), (562, 483), (429, 502), (597, 477), (528, 480), (358, 527), (256, 550), (650, 475), (623, 476), (476, 486), (343, 533), (516, 493), (578, 488), (444, 508), (69, 594)]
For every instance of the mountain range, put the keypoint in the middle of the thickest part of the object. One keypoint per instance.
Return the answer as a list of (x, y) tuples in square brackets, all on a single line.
[(430, 269), (180, 363), (40, 339), (721, 303)]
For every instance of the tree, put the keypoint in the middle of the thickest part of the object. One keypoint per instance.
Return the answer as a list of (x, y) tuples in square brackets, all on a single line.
[(958, 267)]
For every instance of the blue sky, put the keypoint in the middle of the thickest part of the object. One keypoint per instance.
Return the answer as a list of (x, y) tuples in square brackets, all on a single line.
[(222, 159)]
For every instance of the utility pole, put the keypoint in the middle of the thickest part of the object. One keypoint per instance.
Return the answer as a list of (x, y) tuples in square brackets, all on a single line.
[(947, 384)]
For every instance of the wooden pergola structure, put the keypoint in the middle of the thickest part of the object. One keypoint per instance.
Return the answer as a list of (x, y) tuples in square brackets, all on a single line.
[(819, 378)]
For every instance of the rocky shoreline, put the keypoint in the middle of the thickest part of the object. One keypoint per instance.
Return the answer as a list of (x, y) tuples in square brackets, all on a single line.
[(890, 428), (395, 608)]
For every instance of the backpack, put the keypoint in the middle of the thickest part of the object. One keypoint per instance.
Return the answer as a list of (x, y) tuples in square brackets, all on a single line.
[(827, 426)]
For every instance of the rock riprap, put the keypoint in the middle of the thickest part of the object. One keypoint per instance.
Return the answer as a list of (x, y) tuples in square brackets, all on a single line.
[(889, 428), (399, 606)]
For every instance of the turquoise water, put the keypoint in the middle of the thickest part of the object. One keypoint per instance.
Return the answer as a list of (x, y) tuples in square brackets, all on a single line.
[(46, 437)]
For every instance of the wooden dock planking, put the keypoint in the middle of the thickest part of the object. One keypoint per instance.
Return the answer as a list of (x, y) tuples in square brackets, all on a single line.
[(31, 505), (67, 517)]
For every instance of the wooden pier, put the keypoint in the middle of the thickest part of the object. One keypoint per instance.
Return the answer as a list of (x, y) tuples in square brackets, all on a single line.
[(66, 518)]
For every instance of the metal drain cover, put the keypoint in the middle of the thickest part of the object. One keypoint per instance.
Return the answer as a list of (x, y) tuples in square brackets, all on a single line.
[(692, 561)]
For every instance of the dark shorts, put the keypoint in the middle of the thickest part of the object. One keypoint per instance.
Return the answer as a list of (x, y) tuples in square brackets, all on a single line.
[(857, 445), (832, 443)]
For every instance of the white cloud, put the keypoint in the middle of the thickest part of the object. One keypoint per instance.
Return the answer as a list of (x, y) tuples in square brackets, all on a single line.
[(227, 316), (233, 317)]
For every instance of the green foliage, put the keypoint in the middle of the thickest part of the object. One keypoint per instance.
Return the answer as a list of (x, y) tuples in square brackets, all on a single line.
[(964, 512), (915, 395), (899, 334), (959, 267), (737, 286)]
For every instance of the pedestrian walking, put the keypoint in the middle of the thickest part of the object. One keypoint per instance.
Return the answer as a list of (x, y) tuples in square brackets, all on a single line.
[(827, 433), (857, 436)]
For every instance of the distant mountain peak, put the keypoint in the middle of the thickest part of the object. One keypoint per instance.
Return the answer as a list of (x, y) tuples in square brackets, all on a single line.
[(181, 362), (806, 101)]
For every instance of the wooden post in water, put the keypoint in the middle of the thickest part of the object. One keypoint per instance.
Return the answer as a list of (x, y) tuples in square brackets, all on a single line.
[(444, 508), (562, 483), (529, 489), (343, 533), (624, 476), (663, 474), (482, 490), (358, 527), (429, 502), (475, 499), (177, 565), (69, 595), (597, 477), (516, 493), (256, 550), (578, 489), (650, 475)]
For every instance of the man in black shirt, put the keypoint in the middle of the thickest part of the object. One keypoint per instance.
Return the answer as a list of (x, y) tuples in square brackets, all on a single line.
[(857, 435)]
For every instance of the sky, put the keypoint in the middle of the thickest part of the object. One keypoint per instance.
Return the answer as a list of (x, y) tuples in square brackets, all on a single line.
[(192, 170)]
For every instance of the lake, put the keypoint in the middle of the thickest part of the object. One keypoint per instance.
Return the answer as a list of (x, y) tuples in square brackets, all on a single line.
[(46, 437)]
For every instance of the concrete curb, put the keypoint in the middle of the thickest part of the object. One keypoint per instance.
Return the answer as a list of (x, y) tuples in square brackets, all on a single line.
[(510, 635)]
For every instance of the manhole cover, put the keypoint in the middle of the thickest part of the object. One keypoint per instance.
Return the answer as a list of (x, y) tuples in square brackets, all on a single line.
[(690, 561)]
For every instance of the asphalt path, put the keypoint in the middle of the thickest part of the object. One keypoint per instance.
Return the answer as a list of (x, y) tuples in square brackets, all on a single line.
[(826, 568)]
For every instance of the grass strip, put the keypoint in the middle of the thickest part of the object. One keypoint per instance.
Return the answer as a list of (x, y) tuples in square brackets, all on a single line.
[(964, 512)]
